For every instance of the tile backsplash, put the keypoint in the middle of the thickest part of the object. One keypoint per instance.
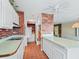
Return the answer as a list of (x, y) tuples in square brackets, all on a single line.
[(8, 32)]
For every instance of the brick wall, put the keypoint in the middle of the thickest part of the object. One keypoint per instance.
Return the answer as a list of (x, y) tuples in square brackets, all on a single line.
[(8, 32), (47, 23), (21, 21)]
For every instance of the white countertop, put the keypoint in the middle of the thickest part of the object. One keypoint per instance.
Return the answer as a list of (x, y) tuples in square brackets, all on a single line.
[(9, 47), (66, 43), (7, 38)]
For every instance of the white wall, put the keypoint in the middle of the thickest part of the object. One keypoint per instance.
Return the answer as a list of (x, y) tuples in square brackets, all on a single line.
[(67, 30)]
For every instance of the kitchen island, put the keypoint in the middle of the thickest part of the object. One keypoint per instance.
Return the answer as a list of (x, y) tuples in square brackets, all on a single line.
[(60, 48)]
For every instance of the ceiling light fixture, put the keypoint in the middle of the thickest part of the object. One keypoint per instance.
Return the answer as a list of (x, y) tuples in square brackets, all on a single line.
[(75, 25)]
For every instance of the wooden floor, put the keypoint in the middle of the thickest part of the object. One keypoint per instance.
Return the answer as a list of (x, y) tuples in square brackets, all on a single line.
[(32, 51)]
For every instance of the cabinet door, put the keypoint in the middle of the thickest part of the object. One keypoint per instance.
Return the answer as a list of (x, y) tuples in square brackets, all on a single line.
[(8, 14), (0, 9), (47, 47), (7, 17), (57, 54)]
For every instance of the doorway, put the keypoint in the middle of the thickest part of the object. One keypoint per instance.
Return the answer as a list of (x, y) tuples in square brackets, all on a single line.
[(57, 30), (31, 32)]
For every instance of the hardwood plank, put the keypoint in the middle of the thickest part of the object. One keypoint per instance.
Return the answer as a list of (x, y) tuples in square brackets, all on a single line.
[(32, 51)]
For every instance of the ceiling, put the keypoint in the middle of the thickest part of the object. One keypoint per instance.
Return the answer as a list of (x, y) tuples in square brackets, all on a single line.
[(63, 10)]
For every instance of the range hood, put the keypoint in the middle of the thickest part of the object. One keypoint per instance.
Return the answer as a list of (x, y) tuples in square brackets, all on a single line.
[(15, 24)]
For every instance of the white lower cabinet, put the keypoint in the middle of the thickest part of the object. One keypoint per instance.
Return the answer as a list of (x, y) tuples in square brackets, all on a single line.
[(47, 48), (61, 49), (53, 51), (57, 54)]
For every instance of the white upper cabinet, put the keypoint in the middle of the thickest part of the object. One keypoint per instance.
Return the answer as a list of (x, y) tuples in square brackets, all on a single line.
[(7, 14), (0, 12)]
